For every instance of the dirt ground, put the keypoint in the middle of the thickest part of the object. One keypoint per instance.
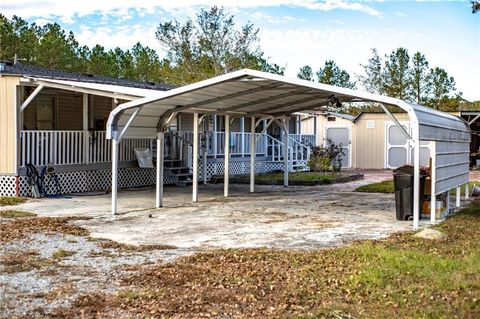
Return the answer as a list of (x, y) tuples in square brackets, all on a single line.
[(68, 268), (274, 216)]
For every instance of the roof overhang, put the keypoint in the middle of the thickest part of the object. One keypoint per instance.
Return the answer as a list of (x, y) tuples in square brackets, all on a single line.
[(108, 90)]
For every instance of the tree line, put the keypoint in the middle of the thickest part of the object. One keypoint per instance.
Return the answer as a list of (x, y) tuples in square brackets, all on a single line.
[(198, 49), (212, 44), (397, 75)]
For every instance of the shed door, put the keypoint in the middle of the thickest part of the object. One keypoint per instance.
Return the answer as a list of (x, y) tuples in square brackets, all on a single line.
[(341, 135), (397, 148)]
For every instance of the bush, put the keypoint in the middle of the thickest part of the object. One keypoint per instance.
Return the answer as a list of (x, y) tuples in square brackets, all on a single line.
[(326, 158)]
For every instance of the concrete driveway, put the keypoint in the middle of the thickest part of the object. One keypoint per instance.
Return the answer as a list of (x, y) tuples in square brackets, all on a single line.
[(274, 216)]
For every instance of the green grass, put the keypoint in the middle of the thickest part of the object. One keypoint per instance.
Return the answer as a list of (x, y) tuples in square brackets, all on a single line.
[(15, 214), (62, 253), (387, 187), (462, 189), (380, 187), (301, 176), (9, 200)]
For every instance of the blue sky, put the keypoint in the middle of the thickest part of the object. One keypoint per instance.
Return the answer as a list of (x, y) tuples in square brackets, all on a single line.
[(292, 32)]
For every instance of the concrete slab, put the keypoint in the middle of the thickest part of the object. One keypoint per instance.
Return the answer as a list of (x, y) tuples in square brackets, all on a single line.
[(274, 216)]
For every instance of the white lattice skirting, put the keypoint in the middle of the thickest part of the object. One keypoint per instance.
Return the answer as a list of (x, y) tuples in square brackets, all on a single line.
[(87, 181)]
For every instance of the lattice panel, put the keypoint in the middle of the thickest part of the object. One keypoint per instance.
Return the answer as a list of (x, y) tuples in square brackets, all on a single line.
[(7, 185), (86, 181), (237, 168), (23, 187), (272, 166)]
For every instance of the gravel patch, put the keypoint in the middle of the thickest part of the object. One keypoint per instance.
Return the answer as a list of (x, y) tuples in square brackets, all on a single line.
[(86, 268)]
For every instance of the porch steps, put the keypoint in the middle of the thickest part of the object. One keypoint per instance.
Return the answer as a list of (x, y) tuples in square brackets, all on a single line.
[(174, 169)]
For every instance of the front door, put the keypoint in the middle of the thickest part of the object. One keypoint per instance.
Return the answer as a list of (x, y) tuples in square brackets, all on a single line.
[(341, 135)]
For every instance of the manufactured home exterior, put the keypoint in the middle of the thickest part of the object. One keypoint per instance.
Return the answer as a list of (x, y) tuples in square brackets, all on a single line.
[(63, 124)]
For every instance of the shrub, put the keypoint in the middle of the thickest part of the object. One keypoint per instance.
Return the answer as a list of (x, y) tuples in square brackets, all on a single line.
[(326, 158)]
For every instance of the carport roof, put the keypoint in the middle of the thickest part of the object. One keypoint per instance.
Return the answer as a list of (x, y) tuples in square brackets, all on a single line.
[(254, 93)]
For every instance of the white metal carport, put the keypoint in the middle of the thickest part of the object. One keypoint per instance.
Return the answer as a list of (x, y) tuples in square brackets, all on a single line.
[(260, 95)]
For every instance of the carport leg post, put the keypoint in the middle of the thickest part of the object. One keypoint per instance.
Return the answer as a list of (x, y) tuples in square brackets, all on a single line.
[(448, 202), (416, 176), (457, 197), (285, 152), (433, 182), (226, 173), (252, 154), (466, 191), (159, 186), (195, 159), (114, 174)]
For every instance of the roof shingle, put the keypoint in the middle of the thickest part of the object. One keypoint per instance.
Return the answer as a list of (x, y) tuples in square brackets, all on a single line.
[(8, 68)]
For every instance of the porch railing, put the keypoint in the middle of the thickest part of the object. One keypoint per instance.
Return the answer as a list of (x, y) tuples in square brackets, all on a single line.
[(306, 139), (74, 147), (79, 147), (214, 142)]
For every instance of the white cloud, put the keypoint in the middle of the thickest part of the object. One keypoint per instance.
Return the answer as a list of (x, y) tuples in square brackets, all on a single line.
[(68, 11), (119, 36), (42, 22), (349, 48)]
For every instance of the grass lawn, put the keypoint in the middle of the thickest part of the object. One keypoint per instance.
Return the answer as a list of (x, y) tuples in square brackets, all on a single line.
[(387, 187), (380, 187), (301, 176), (9, 200), (399, 277)]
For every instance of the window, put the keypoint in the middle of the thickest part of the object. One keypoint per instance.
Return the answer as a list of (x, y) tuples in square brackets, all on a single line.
[(331, 119), (370, 124), (45, 112)]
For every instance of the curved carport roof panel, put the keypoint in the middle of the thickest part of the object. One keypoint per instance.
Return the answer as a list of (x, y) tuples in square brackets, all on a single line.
[(241, 93), (253, 93)]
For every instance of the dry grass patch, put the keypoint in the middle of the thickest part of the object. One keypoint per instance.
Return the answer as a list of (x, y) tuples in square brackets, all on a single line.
[(19, 229), (110, 244), (62, 253), (15, 214), (10, 200), (23, 260)]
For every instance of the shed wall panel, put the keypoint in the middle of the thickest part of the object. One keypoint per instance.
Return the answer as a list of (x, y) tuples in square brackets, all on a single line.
[(370, 142)]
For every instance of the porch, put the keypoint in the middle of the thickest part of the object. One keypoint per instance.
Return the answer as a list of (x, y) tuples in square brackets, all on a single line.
[(58, 148)]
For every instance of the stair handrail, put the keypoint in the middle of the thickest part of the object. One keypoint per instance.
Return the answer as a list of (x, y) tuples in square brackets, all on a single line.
[(280, 145), (202, 150), (300, 145)]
